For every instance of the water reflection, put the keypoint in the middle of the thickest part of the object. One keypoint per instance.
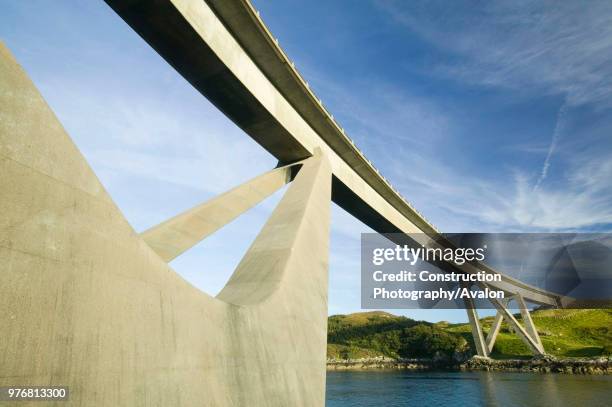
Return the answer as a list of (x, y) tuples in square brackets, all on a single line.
[(495, 389)]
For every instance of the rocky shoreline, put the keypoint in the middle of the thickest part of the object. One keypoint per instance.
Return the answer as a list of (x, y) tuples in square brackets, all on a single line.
[(547, 364)]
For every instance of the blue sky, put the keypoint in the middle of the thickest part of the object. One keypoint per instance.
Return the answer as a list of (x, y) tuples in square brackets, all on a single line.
[(487, 116)]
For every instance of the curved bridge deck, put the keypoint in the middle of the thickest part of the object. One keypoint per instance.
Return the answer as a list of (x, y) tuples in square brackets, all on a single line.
[(224, 49)]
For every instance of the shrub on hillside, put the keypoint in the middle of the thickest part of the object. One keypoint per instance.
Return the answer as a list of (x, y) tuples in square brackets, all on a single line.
[(426, 341)]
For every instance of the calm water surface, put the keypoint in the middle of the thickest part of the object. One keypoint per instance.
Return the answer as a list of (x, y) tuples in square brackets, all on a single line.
[(395, 388)]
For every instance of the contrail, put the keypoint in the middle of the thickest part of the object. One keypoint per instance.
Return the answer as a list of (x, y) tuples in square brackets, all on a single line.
[(553, 144)]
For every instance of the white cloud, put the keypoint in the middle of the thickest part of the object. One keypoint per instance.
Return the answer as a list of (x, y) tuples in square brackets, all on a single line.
[(561, 48), (533, 49), (469, 203), (459, 200)]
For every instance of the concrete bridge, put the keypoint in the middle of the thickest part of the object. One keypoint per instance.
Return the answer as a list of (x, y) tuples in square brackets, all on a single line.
[(89, 303)]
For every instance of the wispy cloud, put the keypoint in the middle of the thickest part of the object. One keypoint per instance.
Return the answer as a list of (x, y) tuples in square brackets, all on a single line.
[(458, 199), (463, 202), (531, 49), (561, 48), (454, 201)]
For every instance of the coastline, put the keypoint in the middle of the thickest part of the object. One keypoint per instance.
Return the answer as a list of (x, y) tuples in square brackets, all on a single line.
[(584, 366)]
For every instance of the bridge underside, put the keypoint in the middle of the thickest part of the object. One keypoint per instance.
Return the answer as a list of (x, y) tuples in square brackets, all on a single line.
[(223, 49)]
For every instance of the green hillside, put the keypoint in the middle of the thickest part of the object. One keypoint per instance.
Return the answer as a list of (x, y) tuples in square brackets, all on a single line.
[(564, 333)]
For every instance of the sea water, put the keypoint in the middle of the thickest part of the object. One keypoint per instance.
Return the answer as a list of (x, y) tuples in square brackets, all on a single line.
[(406, 388)]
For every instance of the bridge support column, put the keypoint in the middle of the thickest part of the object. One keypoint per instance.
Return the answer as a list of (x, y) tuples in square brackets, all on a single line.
[(173, 237), (279, 289), (528, 322), (479, 341), (292, 246), (528, 335), (495, 327)]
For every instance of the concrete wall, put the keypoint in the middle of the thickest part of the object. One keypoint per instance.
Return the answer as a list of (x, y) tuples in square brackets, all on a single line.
[(86, 303)]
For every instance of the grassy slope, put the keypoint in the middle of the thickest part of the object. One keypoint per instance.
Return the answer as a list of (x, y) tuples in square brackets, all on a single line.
[(362, 334), (566, 333)]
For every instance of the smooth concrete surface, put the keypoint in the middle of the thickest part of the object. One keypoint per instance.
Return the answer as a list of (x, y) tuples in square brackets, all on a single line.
[(225, 51), (477, 335), (173, 237), (86, 303), (528, 334), (494, 330), (528, 322), (533, 343)]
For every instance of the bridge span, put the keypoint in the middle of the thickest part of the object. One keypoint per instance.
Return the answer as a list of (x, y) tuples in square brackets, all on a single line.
[(94, 305), (225, 50)]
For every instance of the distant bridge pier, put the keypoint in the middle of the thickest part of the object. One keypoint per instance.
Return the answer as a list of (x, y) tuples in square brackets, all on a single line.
[(528, 334), (495, 327), (477, 335)]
